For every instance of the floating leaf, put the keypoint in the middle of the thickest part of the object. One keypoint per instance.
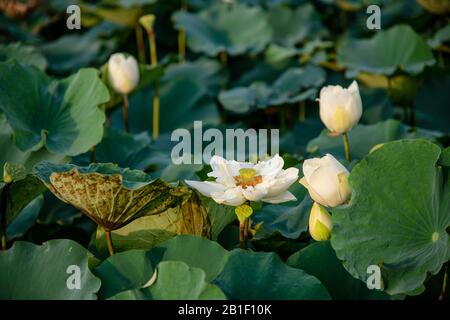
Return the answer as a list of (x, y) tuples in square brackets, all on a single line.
[(196, 251), (290, 221), (397, 217), (176, 281), (73, 51), (235, 29), (44, 272), (10, 152), (25, 219), (398, 48), (440, 37), (121, 148), (109, 195), (61, 115), (183, 101), (18, 189), (291, 26), (246, 277), (124, 271), (294, 85), (23, 54), (319, 260)]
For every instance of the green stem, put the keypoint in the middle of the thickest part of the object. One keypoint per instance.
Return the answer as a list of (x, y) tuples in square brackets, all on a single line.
[(156, 104), (302, 111), (223, 57), (346, 146), (125, 113), (140, 44), (92, 154), (3, 206), (444, 284), (109, 242), (243, 234)]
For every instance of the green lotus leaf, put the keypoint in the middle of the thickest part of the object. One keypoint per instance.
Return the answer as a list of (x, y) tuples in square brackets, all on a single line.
[(196, 251), (445, 157), (204, 71), (294, 85), (362, 139), (219, 28), (397, 217), (186, 99), (23, 54), (124, 271), (123, 149), (121, 12), (17, 190), (246, 276), (290, 221), (10, 153), (292, 26), (188, 217), (73, 51), (175, 280), (61, 115), (44, 272), (25, 219), (440, 37), (319, 260), (398, 48), (108, 194)]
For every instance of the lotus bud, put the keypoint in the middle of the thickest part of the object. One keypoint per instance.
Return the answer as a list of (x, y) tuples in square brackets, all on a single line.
[(123, 73), (320, 224), (340, 108), (326, 180)]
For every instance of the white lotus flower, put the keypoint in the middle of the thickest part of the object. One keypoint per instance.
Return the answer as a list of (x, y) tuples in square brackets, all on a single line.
[(340, 108), (238, 182), (123, 73), (326, 180)]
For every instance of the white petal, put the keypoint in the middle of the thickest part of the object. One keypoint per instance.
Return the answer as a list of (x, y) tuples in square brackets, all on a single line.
[(283, 181), (231, 197), (222, 172), (282, 197), (206, 187), (270, 168), (255, 193)]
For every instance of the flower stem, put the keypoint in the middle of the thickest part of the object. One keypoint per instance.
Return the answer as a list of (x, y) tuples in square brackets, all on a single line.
[(109, 242), (346, 146), (92, 154), (302, 111), (223, 57), (243, 234), (154, 63), (3, 206), (182, 36), (444, 284), (140, 44), (125, 113)]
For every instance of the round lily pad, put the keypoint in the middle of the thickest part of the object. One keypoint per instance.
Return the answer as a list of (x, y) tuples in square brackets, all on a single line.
[(398, 48), (260, 276), (397, 216), (220, 28), (56, 270)]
